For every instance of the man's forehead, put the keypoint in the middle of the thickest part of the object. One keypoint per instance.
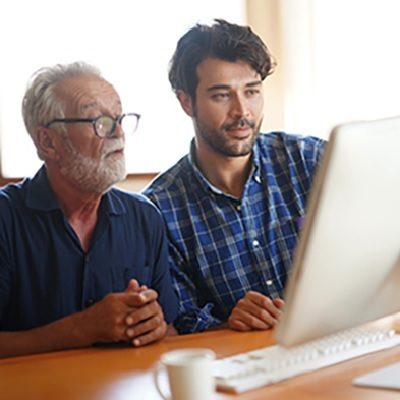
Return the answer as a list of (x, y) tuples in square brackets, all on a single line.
[(89, 105), (215, 72), (88, 92)]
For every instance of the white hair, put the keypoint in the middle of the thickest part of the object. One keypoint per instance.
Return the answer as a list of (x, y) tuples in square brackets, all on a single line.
[(40, 103)]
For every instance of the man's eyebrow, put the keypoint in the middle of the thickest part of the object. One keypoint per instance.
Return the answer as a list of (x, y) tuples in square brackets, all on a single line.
[(219, 86), (222, 86), (254, 83)]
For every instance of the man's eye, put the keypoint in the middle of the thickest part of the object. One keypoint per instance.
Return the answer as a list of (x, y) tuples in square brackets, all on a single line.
[(220, 96), (252, 92)]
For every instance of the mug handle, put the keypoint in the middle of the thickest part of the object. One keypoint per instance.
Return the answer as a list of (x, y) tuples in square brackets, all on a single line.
[(156, 376)]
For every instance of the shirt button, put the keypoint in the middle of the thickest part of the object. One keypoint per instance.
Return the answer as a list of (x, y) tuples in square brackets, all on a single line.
[(256, 243), (257, 178), (269, 282), (89, 302), (238, 207)]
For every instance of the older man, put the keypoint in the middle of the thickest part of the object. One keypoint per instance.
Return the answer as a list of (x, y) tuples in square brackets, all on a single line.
[(80, 263)]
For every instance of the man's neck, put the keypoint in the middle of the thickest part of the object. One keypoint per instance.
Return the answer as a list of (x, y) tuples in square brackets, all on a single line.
[(228, 174), (79, 207)]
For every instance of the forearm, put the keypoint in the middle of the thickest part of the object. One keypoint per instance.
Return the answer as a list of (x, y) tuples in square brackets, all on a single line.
[(66, 333)]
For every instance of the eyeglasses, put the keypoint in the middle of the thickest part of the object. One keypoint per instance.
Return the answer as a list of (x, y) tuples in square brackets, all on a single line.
[(104, 125)]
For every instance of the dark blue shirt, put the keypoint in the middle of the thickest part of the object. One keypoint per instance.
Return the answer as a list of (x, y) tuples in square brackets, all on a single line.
[(45, 274), (221, 246)]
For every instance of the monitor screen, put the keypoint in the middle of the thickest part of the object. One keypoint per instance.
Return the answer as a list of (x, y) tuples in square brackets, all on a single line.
[(346, 268)]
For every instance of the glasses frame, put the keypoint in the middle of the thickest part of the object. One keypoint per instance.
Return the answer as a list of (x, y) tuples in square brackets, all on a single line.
[(93, 121)]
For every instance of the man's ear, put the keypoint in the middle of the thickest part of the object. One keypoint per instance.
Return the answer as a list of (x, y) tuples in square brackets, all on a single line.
[(186, 102), (45, 143)]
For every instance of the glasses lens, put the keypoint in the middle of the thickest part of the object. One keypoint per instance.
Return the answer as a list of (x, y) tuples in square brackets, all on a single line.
[(129, 123), (105, 126)]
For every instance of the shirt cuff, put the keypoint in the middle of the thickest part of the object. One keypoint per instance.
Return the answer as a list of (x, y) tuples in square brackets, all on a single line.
[(196, 320)]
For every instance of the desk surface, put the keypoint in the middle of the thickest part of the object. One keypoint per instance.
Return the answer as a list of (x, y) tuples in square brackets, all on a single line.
[(105, 373)]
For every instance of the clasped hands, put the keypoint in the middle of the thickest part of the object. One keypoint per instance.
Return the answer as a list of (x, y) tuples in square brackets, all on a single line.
[(255, 311), (133, 315)]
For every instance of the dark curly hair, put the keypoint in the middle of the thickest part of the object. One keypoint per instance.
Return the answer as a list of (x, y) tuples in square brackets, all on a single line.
[(222, 40)]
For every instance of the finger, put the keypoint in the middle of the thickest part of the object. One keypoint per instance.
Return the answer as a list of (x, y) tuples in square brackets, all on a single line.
[(145, 326), (105, 320), (143, 313), (238, 325), (279, 303), (149, 294), (133, 285), (255, 297), (146, 296), (118, 334), (140, 298), (258, 320), (254, 301), (264, 310), (150, 337)]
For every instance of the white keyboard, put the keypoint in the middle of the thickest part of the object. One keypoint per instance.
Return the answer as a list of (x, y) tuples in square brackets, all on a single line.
[(268, 365)]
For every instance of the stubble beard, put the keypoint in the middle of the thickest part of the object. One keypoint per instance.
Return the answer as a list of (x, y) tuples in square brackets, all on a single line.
[(221, 143)]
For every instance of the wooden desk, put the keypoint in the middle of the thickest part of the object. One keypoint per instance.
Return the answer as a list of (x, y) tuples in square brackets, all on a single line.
[(126, 373)]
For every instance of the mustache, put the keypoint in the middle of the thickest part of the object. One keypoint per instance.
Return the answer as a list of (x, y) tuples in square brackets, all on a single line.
[(113, 145), (240, 123)]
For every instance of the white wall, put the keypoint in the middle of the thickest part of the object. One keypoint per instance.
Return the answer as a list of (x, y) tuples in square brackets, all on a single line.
[(132, 43)]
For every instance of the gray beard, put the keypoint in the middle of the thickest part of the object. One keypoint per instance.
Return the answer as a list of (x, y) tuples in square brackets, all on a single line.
[(91, 175)]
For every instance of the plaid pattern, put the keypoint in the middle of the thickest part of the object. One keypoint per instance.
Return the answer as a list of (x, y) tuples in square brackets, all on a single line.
[(220, 246)]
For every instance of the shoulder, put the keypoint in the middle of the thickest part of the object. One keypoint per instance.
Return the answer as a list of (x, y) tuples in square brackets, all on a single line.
[(138, 213), (172, 181), (288, 141), (132, 202), (12, 208), (13, 194), (281, 148)]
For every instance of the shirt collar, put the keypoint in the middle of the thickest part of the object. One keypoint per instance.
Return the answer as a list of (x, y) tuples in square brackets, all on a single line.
[(256, 153), (40, 196), (113, 203), (199, 175), (255, 173)]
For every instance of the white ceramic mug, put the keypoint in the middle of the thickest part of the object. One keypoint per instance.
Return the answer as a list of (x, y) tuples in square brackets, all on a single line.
[(190, 374)]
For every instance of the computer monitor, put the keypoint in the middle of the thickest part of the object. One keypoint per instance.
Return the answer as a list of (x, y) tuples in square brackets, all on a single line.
[(346, 268)]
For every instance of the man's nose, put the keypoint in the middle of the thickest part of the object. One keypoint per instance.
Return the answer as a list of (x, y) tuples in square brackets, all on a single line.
[(239, 107), (118, 131)]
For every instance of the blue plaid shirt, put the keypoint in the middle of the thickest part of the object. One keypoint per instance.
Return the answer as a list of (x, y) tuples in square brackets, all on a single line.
[(221, 246)]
